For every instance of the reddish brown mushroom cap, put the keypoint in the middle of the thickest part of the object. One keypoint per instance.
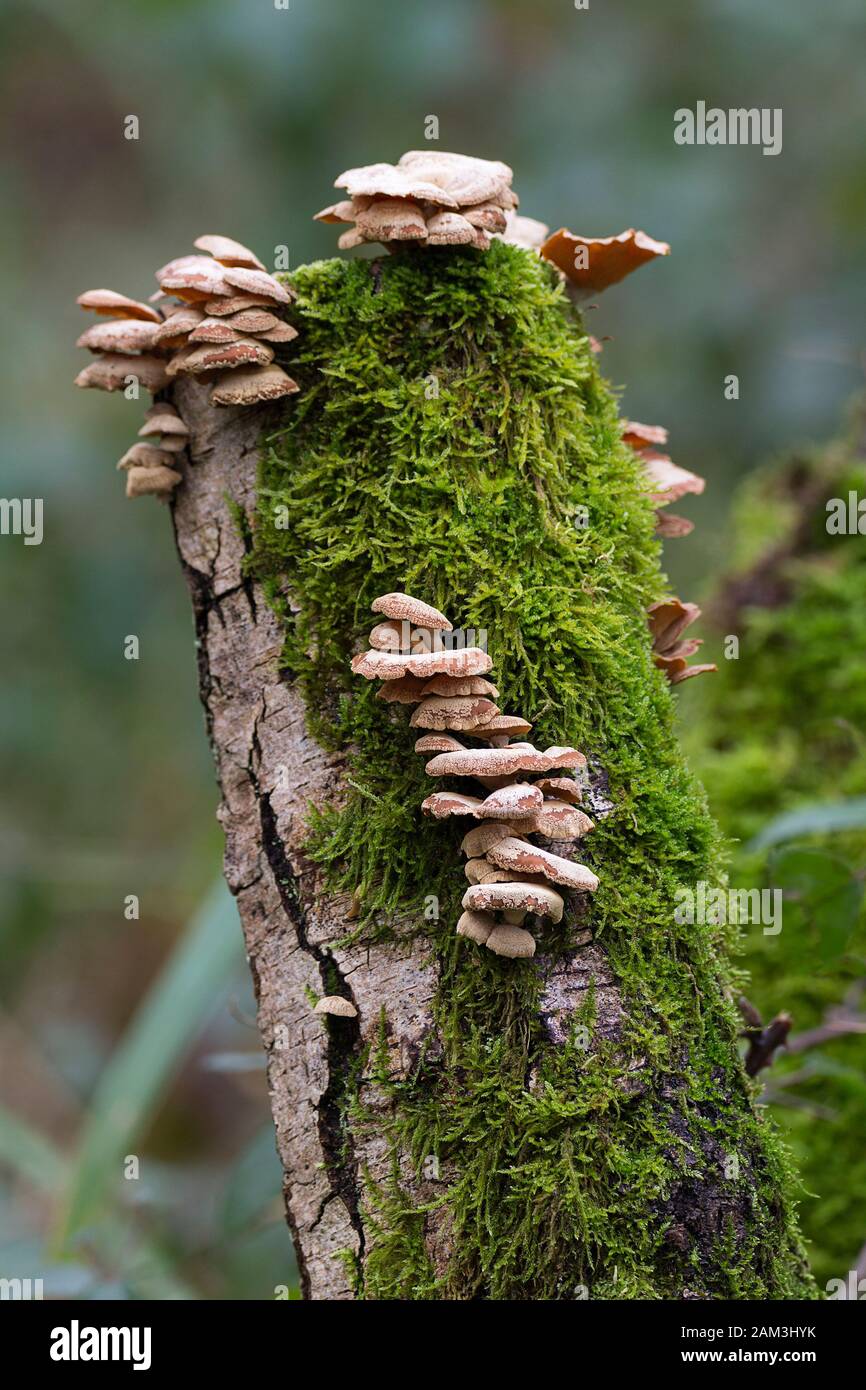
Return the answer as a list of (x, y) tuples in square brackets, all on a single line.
[(388, 666), (452, 712), (669, 481), (460, 685), (113, 372), (520, 855), (563, 788), (214, 357), (499, 762), (116, 305), (119, 335), (406, 690), (436, 743), (257, 282), (607, 259), (518, 799), (443, 804), (514, 897)]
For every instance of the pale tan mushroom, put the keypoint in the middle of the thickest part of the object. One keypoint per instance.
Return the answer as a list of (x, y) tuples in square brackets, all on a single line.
[(407, 690), (257, 282), (145, 456), (460, 685), (163, 419), (236, 303), (501, 727), (151, 482), (499, 762), (175, 331), (119, 335), (450, 229), (115, 305), (248, 386), (252, 321), (477, 926), (436, 743), (557, 820), (670, 481), (196, 278), (444, 804), (387, 666), (639, 436), (513, 942), (215, 330), (490, 217), (336, 1005), (228, 252), (113, 372), (452, 712), (515, 801), (523, 857), (563, 788), (388, 636), (392, 219), (477, 842), (412, 610), (525, 232), (509, 897), (280, 333)]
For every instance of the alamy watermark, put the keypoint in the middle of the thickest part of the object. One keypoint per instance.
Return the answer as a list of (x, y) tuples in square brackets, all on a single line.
[(740, 125), (737, 906), (22, 516)]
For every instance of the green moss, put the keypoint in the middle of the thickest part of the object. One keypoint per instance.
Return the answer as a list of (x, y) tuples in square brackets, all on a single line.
[(451, 427), (783, 726)]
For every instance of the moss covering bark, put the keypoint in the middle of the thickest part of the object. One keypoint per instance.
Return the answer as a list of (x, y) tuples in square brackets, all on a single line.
[(451, 428), (783, 727)]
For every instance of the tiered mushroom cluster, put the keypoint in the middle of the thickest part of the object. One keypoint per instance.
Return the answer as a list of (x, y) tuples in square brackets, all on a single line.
[(669, 618), (429, 197), (519, 790), (217, 317)]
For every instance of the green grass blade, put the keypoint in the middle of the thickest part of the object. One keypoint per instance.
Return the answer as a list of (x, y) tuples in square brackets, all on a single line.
[(159, 1034), (29, 1155)]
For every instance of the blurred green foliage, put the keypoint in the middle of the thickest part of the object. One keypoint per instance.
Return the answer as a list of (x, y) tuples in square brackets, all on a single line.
[(778, 739), (247, 113)]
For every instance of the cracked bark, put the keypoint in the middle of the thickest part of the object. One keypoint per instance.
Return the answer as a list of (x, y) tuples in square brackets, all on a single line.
[(269, 770)]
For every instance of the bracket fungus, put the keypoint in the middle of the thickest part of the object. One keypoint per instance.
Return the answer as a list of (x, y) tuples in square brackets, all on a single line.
[(429, 198), (336, 1005), (508, 874), (220, 322), (668, 481), (668, 619), (592, 264)]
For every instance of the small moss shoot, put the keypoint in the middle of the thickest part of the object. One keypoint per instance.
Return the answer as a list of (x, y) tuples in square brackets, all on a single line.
[(451, 437)]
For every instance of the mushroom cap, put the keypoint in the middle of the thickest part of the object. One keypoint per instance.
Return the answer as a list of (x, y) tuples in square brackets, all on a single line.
[(115, 305), (112, 371), (670, 526), (337, 1005), (119, 335), (518, 799), (520, 855), (215, 330), (392, 219), (248, 385), (467, 180), (563, 788), (163, 419), (442, 804), (450, 229), (478, 841), (557, 820), (386, 666), (491, 217), (175, 330), (525, 232), (215, 357), (407, 690), (502, 726), (511, 941), (347, 241), (436, 743), (404, 606), (155, 482), (639, 436), (257, 282), (145, 456), (476, 925), (498, 762), (671, 482), (610, 258), (344, 211), (194, 278), (668, 619), (460, 685), (228, 252), (236, 303), (387, 636), (452, 712), (513, 897), (687, 672), (280, 333)]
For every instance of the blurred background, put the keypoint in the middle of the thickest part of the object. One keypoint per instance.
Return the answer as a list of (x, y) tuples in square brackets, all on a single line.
[(127, 1038)]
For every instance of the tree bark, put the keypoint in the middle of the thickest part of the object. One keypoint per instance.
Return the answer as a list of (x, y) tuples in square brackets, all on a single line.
[(269, 770)]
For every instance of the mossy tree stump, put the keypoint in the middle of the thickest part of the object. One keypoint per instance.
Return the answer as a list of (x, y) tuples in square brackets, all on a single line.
[(576, 1125)]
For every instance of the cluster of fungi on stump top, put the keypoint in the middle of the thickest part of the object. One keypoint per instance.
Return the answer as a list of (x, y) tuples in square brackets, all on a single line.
[(510, 878), (216, 317)]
